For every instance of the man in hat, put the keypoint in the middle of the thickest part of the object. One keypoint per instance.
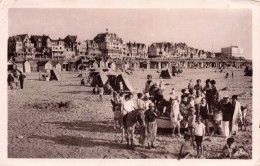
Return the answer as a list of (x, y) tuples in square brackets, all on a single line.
[(148, 83), (227, 111), (151, 127)]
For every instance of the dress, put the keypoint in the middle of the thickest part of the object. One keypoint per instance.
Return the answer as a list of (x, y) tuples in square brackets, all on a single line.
[(236, 116), (150, 132), (175, 113)]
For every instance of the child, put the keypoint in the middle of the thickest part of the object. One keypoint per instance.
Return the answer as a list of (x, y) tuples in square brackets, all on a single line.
[(199, 128), (191, 123), (185, 148), (101, 93), (190, 85), (198, 88), (192, 101), (227, 150)]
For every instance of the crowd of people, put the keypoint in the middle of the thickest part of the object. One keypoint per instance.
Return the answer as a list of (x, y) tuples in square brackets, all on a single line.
[(196, 110)]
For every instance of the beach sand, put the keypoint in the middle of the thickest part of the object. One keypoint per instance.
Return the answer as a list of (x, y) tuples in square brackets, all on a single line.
[(86, 129)]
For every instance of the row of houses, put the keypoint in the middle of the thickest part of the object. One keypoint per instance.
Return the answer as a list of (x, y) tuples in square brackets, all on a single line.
[(104, 45)]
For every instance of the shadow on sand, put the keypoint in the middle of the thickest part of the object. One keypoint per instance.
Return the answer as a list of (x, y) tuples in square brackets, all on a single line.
[(79, 141), (87, 126), (77, 92)]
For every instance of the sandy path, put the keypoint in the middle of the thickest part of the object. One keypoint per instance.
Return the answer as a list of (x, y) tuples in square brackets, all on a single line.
[(86, 131)]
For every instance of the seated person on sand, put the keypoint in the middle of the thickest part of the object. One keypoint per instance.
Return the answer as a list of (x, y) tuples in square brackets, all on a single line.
[(227, 149), (96, 90), (82, 81), (186, 148)]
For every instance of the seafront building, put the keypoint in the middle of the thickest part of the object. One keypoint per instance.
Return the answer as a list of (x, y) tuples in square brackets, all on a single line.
[(108, 48)]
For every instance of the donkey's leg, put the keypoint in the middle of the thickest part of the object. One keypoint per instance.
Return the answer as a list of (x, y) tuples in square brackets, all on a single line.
[(127, 138), (132, 138), (123, 135)]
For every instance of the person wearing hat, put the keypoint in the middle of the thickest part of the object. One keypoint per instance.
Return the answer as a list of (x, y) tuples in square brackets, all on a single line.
[(151, 127), (227, 111), (146, 101), (175, 115), (149, 83)]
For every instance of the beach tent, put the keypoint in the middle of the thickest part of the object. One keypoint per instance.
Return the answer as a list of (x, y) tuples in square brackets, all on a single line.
[(111, 78), (166, 74), (58, 66), (55, 75), (126, 84), (44, 66), (34, 67), (27, 67), (99, 79)]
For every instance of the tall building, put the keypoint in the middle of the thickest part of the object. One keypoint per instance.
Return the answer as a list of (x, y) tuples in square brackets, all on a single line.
[(42, 45), (161, 50), (233, 51), (109, 44), (136, 50), (20, 46), (92, 49)]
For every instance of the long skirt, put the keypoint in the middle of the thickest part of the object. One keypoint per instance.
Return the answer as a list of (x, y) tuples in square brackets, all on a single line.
[(148, 134), (225, 128)]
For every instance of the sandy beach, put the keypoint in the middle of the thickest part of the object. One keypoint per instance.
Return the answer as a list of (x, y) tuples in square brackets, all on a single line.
[(37, 128)]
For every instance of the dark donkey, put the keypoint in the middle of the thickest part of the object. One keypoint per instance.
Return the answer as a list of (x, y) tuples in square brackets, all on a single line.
[(129, 121)]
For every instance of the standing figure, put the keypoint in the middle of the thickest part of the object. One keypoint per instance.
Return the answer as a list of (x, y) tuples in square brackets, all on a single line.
[(190, 85), (175, 115), (237, 115), (10, 80), (198, 88), (149, 83), (21, 79), (205, 113), (101, 93), (199, 130), (191, 124), (227, 110), (207, 92), (214, 92), (151, 126)]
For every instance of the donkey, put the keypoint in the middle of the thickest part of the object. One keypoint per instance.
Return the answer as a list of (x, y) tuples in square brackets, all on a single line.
[(129, 122)]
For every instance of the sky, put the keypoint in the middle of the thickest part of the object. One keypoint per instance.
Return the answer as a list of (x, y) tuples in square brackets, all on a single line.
[(199, 28)]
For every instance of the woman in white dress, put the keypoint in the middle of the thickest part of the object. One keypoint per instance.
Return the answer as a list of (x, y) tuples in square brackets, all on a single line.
[(237, 114)]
